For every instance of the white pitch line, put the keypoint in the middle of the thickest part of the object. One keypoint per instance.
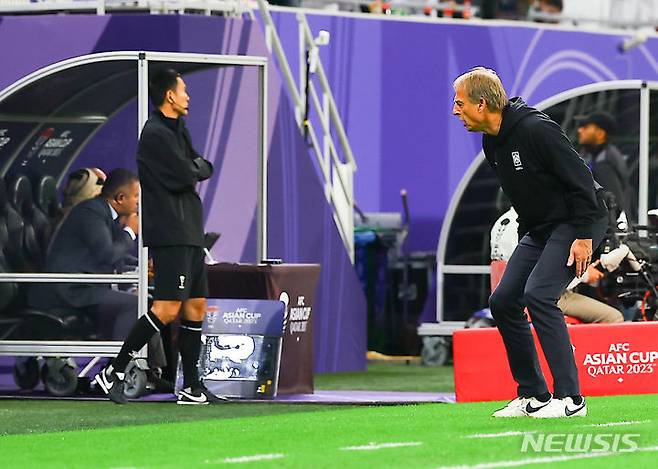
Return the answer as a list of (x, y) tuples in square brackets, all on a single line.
[(376, 446), (499, 435), (546, 460), (616, 424), (243, 459)]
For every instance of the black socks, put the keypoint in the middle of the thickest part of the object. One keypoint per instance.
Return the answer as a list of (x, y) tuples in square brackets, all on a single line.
[(139, 335), (189, 344)]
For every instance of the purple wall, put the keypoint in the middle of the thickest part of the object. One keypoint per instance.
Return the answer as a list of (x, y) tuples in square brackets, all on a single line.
[(392, 79), (223, 127)]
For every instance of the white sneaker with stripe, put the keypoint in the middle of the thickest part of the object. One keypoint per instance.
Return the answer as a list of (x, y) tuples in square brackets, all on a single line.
[(561, 408)]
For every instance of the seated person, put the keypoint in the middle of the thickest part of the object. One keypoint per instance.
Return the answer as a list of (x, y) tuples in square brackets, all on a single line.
[(585, 308), (83, 184), (95, 238), (504, 238)]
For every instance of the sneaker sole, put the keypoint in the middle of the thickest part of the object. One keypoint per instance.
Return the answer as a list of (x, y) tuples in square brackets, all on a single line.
[(577, 414), (219, 400), (191, 403)]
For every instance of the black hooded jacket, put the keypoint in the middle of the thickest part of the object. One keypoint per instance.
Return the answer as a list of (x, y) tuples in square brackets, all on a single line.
[(169, 169), (541, 173)]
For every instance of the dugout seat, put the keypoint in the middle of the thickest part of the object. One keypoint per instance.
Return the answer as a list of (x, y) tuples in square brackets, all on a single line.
[(46, 198), (24, 235), (36, 227)]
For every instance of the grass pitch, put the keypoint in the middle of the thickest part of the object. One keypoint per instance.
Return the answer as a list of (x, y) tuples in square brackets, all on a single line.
[(71, 434)]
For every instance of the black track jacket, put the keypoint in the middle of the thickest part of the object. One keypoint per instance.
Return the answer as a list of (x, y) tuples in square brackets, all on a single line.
[(541, 173), (169, 169)]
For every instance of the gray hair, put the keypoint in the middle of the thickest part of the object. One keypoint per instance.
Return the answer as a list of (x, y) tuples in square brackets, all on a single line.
[(483, 83)]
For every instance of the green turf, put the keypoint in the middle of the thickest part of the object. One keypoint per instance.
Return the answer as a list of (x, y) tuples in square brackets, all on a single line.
[(391, 377), (40, 416), (28, 416), (313, 438), (160, 435)]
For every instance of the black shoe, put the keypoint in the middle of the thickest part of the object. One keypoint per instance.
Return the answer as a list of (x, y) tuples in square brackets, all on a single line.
[(212, 398), (199, 395), (111, 385)]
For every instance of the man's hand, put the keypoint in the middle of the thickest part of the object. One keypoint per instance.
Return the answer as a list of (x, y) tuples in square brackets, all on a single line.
[(204, 168), (131, 221), (594, 274), (581, 253)]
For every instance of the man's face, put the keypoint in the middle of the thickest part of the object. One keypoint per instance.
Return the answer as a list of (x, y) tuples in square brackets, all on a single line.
[(179, 99), (590, 134), (470, 113), (127, 199)]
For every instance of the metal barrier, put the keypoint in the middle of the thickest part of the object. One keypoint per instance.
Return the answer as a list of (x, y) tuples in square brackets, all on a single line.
[(338, 175)]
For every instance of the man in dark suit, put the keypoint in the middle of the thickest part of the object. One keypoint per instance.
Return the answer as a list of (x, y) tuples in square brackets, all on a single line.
[(95, 238)]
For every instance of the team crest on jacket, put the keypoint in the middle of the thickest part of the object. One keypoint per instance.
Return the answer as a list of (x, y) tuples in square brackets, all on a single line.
[(516, 159)]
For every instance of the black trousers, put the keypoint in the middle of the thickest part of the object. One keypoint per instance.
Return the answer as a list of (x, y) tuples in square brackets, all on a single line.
[(536, 275)]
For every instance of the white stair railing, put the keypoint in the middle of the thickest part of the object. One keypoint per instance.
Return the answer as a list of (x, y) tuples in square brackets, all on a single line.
[(338, 175)]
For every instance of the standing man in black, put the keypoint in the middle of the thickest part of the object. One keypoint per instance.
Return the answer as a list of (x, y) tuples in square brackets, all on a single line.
[(607, 162), (169, 169), (561, 220)]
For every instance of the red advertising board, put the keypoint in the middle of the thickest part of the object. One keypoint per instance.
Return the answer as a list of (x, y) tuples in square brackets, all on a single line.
[(611, 359)]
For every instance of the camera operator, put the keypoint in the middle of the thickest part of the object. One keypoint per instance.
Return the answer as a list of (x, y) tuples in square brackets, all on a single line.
[(585, 308)]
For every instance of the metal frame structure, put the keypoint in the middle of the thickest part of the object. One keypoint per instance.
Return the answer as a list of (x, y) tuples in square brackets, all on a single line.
[(443, 328), (142, 59), (338, 176)]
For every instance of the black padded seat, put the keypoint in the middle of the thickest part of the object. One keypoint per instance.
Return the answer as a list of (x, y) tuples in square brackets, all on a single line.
[(37, 228), (13, 222), (47, 199)]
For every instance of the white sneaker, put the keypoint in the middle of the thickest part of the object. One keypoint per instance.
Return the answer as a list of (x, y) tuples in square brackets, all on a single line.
[(559, 408), (514, 408)]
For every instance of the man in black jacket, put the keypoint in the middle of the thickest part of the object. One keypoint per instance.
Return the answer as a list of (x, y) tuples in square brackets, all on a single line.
[(561, 220), (607, 162), (169, 169)]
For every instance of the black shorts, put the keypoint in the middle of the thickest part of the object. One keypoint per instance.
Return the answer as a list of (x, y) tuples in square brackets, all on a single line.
[(180, 273)]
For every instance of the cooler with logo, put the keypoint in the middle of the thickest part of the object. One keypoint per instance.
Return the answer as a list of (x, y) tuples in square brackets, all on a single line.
[(241, 348)]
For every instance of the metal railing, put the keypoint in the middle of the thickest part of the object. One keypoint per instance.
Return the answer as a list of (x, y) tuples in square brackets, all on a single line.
[(336, 173)]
